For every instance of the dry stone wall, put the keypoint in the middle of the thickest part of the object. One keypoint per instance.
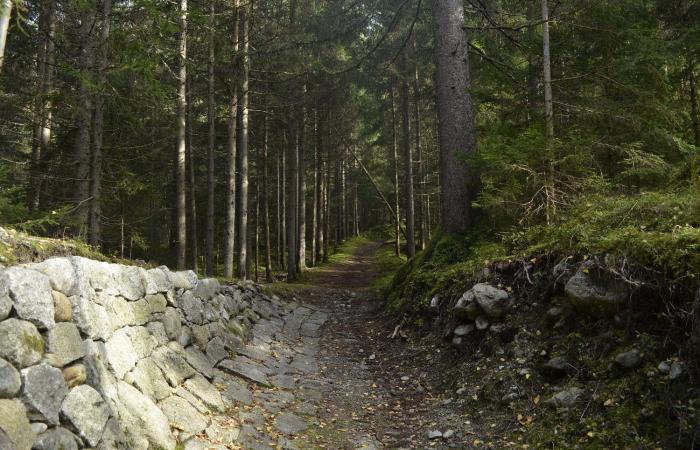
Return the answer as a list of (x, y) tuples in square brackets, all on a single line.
[(99, 355)]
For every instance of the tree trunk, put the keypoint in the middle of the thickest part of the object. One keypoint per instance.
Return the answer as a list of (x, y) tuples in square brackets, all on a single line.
[(192, 198), (318, 169), (548, 113), (314, 201), (301, 237), (395, 155), (325, 164), (266, 201), (419, 155), (694, 102), (180, 162), (256, 227), (280, 194), (408, 161), (84, 117), (95, 228), (231, 160), (211, 113), (242, 146), (5, 13), (455, 114), (532, 69), (292, 196), (283, 218), (42, 119)]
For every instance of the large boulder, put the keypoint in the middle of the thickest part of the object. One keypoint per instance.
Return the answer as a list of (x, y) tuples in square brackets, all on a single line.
[(183, 415), (150, 380), (20, 343), (161, 278), (65, 343), (65, 276), (129, 282), (121, 354), (92, 318), (14, 426), (492, 301), (589, 289), (5, 300), (171, 360), (142, 420), (44, 391), (56, 438), (85, 408), (10, 382), (30, 291)]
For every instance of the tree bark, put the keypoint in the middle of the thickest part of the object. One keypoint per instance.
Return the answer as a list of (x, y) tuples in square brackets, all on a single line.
[(280, 193), (695, 121), (95, 215), (231, 159), (408, 161), (419, 155), (314, 201), (5, 13), (395, 155), (192, 197), (318, 174), (211, 113), (83, 120), (42, 120), (455, 114), (548, 114), (301, 237), (292, 196), (283, 216), (180, 161), (532, 69), (242, 146), (266, 201)]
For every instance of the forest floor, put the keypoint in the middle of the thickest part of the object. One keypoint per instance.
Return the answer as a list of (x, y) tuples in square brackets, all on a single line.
[(375, 391)]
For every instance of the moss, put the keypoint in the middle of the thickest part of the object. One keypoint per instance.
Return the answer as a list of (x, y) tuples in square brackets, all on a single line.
[(33, 342)]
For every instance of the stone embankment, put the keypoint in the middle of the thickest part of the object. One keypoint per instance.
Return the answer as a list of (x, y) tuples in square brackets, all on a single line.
[(106, 356)]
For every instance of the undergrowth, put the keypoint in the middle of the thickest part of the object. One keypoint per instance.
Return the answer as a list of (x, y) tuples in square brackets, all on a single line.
[(656, 233)]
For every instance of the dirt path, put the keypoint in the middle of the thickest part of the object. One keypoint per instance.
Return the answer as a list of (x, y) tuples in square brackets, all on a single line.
[(321, 372), (377, 392)]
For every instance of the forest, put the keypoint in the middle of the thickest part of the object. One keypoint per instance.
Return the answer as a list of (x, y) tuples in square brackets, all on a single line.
[(234, 135), (440, 156)]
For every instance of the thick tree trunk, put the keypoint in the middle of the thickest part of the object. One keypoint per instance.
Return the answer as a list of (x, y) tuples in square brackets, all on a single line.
[(83, 120), (408, 161), (211, 113), (455, 115), (266, 202), (42, 118), (192, 197), (395, 156), (5, 13), (242, 146), (95, 216), (180, 159), (231, 160), (301, 221)]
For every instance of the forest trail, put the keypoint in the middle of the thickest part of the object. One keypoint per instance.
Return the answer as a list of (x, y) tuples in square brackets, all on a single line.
[(353, 387)]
